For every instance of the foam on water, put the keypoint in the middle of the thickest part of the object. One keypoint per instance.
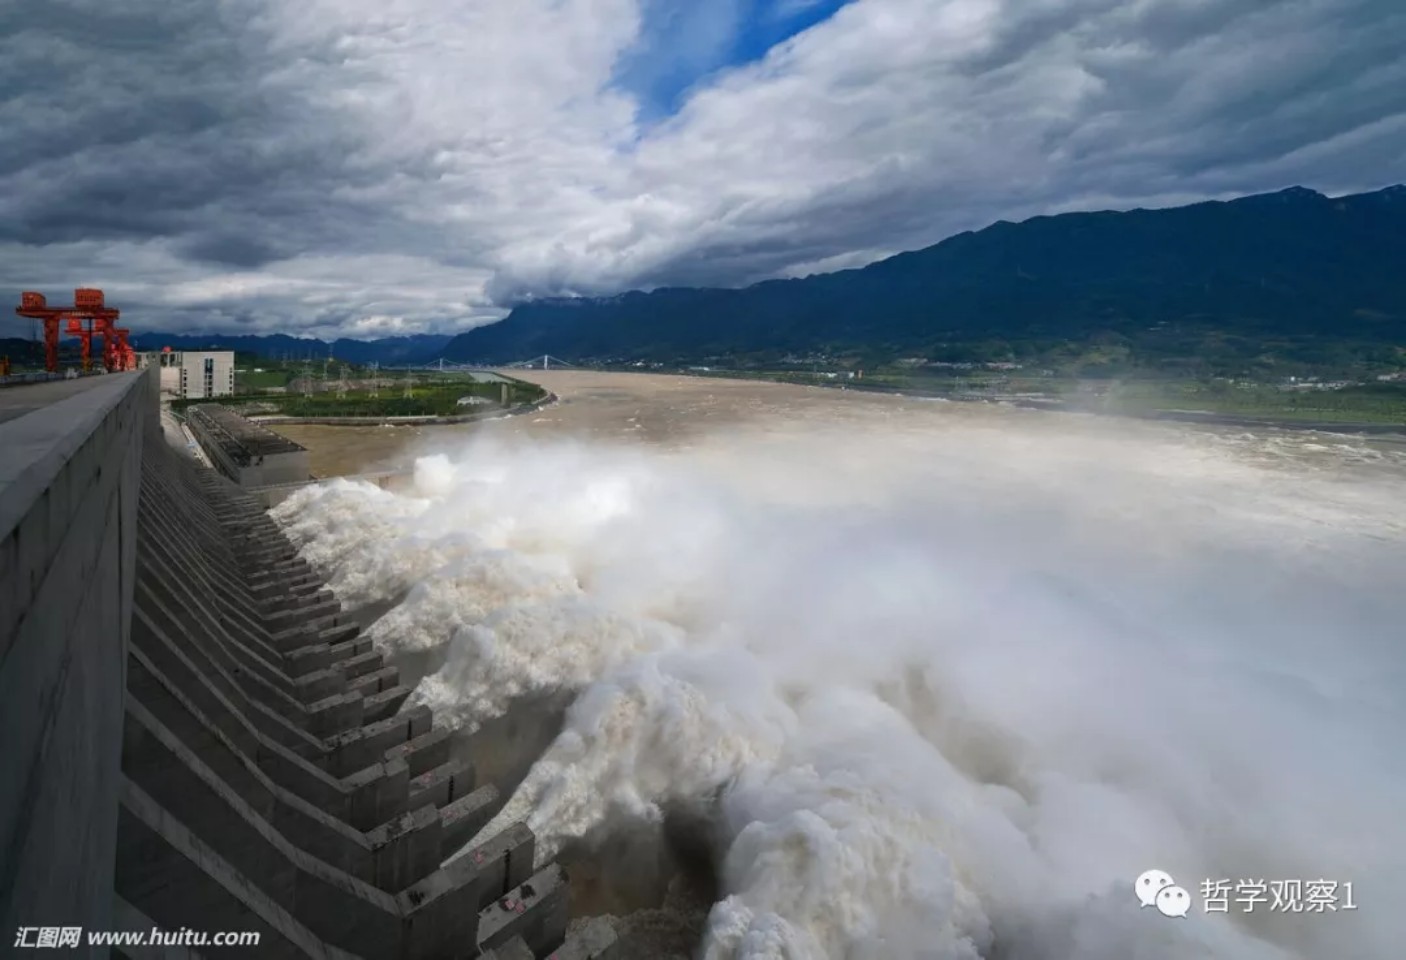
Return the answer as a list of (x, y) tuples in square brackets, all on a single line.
[(945, 691)]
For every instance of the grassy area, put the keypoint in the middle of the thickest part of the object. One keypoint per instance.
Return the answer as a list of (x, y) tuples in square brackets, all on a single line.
[(260, 379), (432, 396)]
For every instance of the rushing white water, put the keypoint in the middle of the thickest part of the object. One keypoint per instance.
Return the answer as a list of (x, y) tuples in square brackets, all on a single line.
[(948, 686)]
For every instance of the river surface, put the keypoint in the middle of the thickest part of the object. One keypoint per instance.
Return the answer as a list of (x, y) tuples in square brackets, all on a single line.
[(677, 410)]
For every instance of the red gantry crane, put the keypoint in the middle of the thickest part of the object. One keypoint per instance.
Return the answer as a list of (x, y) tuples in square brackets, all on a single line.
[(101, 320)]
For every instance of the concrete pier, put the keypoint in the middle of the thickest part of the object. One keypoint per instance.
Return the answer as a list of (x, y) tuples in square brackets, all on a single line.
[(198, 737), (249, 454)]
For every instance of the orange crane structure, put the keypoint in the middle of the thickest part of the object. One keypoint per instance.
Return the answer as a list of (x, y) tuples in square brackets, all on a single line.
[(100, 320)]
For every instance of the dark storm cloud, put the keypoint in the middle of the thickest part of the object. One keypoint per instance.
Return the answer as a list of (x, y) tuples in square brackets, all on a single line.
[(1319, 71), (176, 125), (158, 120), (233, 251)]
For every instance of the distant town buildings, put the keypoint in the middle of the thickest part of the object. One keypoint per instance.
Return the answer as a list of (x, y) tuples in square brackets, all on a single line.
[(1314, 383)]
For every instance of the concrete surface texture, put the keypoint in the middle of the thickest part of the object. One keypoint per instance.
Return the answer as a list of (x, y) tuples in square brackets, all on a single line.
[(19, 400), (198, 737), (69, 483)]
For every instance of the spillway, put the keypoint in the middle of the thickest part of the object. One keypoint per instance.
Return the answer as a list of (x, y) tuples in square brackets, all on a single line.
[(197, 737)]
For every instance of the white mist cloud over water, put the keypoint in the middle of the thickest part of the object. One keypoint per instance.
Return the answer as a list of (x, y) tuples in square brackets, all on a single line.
[(947, 686)]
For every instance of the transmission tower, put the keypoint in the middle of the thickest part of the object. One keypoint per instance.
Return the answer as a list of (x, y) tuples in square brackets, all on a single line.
[(307, 379), (375, 378), (409, 385), (342, 384)]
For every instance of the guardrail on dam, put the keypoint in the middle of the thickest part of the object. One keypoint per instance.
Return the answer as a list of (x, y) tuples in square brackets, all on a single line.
[(196, 736)]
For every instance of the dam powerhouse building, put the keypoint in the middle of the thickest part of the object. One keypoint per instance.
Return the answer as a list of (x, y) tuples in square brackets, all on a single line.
[(194, 736), (192, 374)]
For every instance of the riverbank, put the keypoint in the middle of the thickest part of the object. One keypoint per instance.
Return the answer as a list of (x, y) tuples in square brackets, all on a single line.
[(273, 420), (1111, 406)]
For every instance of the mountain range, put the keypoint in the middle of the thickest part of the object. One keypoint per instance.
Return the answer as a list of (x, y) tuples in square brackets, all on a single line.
[(417, 348), (1292, 276)]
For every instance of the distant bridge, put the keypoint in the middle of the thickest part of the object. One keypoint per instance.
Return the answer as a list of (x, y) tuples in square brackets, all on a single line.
[(441, 366), (544, 362)]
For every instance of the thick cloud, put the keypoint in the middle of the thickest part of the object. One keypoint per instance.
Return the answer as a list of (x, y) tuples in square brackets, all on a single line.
[(386, 166)]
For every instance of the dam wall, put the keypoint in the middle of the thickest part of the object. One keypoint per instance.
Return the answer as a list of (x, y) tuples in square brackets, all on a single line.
[(204, 740), (69, 483)]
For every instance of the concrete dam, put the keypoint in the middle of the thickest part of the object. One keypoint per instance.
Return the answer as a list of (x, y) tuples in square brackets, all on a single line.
[(196, 737)]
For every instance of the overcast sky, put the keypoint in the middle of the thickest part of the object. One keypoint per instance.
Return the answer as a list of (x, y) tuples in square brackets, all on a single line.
[(373, 167)]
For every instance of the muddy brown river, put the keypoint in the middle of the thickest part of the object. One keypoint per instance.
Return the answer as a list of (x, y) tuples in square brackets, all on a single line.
[(677, 410)]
